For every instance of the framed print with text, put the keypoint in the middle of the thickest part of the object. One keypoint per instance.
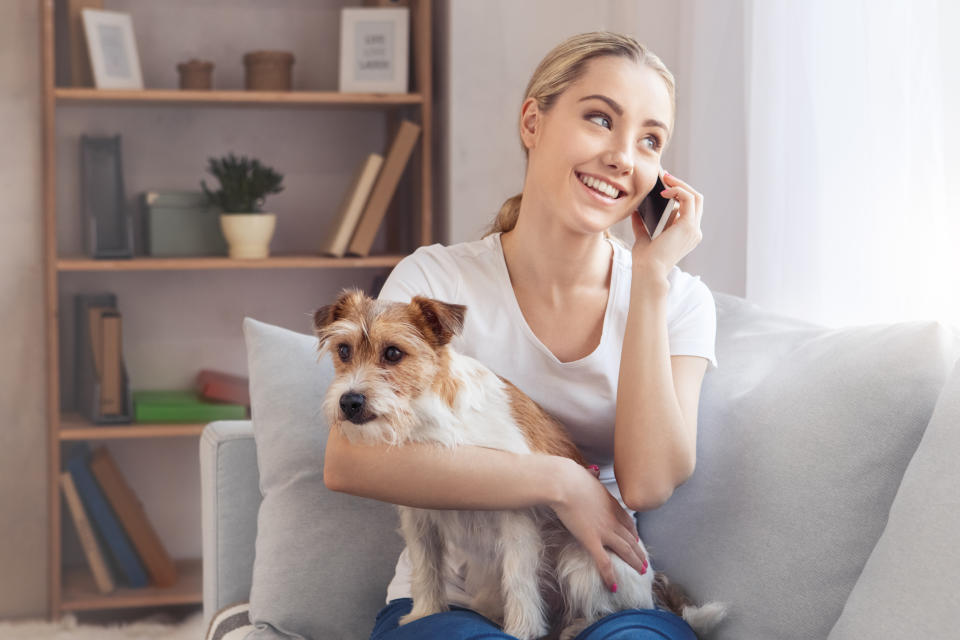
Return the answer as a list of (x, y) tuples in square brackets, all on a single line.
[(374, 50)]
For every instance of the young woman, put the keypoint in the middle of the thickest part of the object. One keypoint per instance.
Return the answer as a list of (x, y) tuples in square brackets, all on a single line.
[(611, 340)]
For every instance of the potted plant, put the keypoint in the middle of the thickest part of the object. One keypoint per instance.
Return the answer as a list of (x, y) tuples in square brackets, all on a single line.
[(244, 185)]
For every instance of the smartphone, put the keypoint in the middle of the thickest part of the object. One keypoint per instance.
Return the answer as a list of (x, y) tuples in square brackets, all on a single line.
[(655, 210)]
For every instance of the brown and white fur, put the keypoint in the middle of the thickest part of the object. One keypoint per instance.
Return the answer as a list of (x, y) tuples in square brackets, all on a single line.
[(398, 380)]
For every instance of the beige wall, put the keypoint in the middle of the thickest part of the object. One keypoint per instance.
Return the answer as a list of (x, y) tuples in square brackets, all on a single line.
[(23, 497), (176, 322)]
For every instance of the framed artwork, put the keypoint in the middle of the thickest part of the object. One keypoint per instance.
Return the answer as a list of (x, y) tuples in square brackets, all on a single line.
[(113, 49), (374, 50)]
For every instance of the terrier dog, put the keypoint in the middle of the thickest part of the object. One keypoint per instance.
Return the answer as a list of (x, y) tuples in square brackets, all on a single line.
[(398, 380)]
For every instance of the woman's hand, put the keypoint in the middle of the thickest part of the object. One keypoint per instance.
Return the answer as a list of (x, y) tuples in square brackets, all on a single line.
[(598, 522), (680, 236)]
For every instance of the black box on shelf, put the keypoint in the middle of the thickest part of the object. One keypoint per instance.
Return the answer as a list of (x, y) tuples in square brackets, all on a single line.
[(108, 228)]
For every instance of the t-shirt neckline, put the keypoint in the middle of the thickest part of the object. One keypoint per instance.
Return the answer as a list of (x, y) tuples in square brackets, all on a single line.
[(514, 307)]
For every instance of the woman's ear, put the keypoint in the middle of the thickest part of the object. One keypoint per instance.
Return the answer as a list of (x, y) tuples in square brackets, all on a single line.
[(529, 122)]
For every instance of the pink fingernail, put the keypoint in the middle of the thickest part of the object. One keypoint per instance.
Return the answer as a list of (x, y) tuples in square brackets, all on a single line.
[(613, 588), (595, 467)]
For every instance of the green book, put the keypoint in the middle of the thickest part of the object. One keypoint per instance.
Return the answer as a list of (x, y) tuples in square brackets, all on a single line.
[(182, 406)]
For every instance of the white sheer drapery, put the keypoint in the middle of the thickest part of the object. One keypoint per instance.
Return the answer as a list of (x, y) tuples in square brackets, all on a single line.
[(851, 110)]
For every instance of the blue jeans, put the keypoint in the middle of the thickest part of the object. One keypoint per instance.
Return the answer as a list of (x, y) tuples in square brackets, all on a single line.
[(464, 624)]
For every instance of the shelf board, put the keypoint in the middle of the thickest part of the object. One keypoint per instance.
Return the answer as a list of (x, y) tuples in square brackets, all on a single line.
[(78, 95), (73, 428), (146, 263), (80, 593)]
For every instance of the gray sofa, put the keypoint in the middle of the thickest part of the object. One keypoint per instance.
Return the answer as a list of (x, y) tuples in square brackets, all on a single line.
[(825, 503)]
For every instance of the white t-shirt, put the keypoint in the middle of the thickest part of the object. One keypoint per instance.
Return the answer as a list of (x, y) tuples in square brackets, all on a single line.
[(582, 394)]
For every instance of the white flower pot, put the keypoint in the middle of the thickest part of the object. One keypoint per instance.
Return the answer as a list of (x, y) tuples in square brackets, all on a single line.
[(248, 234)]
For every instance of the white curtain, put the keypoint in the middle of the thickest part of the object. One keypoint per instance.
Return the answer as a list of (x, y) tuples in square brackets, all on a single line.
[(853, 215)]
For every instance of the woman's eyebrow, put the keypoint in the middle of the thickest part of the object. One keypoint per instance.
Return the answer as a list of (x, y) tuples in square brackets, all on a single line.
[(650, 122)]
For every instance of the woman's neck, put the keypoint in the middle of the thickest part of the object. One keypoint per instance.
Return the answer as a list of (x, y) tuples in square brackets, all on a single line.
[(555, 262)]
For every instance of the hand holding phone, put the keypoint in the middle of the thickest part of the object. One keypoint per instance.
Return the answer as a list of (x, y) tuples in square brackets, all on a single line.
[(655, 210)]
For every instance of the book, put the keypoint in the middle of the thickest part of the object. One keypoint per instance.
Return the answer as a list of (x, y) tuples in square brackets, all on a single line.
[(111, 382), (103, 518), (182, 407), (88, 539), (352, 205), (88, 355), (129, 510), (396, 161), (218, 386)]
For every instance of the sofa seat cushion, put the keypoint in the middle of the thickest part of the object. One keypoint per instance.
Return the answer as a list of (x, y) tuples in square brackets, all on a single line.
[(804, 434), (323, 559)]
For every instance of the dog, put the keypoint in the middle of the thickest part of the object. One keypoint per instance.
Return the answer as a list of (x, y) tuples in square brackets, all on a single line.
[(398, 380)]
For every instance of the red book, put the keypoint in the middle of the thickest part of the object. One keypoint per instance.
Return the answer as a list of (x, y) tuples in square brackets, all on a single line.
[(223, 387)]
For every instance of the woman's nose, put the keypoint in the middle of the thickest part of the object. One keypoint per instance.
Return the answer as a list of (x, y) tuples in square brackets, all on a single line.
[(619, 160)]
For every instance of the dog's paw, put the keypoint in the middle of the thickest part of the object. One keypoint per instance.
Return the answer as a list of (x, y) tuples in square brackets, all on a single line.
[(527, 631)]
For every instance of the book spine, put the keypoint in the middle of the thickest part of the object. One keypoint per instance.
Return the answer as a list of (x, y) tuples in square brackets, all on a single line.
[(88, 540), (223, 387), (210, 412), (352, 206), (102, 516), (133, 518), (111, 389), (393, 167)]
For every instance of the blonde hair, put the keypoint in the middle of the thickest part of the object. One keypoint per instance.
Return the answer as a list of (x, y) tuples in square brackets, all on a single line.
[(562, 67)]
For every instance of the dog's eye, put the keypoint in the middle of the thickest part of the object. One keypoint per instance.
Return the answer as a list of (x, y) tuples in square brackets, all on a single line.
[(392, 354), (344, 352)]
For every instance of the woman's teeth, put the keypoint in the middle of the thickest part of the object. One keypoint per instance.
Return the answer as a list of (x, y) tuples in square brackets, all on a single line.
[(601, 186)]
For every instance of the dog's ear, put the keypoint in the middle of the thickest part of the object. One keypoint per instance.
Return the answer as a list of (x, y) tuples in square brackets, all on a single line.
[(325, 316), (438, 321)]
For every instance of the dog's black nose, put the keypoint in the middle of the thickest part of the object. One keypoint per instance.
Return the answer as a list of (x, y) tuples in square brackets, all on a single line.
[(352, 404)]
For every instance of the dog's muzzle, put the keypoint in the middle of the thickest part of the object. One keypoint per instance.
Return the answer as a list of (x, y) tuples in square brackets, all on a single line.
[(353, 406)]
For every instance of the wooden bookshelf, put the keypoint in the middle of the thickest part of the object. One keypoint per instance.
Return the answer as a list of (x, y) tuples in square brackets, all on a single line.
[(140, 263), (75, 427), (72, 589), (73, 95), (81, 594)]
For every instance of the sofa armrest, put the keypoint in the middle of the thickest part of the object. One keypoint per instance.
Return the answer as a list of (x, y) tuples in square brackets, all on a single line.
[(230, 499)]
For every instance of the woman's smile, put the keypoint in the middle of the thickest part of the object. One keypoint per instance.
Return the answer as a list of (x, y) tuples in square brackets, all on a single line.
[(595, 190)]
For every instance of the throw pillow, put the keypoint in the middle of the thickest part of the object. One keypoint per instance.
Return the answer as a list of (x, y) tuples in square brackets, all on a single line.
[(323, 559), (804, 435), (910, 587)]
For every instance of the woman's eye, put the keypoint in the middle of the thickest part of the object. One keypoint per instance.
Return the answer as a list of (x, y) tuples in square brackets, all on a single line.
[(344, 352), (594, 117), (392, 354), (655, 142)]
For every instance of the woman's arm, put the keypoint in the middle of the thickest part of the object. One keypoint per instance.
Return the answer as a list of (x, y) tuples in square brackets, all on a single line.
[(654, 444), (470, 477)]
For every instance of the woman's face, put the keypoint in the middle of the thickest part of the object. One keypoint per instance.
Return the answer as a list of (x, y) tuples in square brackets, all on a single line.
[(612, 125)]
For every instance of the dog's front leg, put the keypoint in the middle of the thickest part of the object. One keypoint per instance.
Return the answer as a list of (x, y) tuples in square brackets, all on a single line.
[(524, 614), (426, 557)]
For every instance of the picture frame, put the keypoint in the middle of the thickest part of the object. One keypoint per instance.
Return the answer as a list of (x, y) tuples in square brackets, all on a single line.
[(113, 49), (374, 50)]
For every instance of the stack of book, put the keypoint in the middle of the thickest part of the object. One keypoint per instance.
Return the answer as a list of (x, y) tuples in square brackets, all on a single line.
[(371, 190), (217, 396), (119, 543)]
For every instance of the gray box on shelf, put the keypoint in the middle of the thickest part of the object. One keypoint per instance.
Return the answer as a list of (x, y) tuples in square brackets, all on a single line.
[(86, 383), (181, 223), (108, 227)]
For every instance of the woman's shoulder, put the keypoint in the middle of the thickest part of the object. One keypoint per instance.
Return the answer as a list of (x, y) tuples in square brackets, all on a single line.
[(437, 270)]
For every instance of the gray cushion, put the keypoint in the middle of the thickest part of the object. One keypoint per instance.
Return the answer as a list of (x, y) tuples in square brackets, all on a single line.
[(910, 586), (323, 559), (804, 435)]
